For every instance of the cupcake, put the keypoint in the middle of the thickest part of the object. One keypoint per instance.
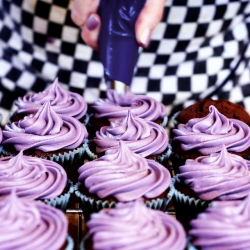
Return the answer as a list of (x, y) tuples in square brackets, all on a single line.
[(220, 176), (141, 136), (62, 101), (224, 225), (201, 109), (116, 106), (35, 178), (203, 136), (119, 176), (27, 224), (132, 225), (32, 177), (49, 135)]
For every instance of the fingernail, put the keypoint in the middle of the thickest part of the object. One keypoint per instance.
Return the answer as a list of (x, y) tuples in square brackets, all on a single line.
[(92, 22), (145, 37)]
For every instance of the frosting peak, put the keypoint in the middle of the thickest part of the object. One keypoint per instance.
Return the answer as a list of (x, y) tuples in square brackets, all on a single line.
[(45, 131), (208, 133), (28, 224), (45, 122), (32, 177), (141, 136), (116, 106), (132, 225), (214, 124), (221, 176), (63, 102), (124, 175), (224, 225)]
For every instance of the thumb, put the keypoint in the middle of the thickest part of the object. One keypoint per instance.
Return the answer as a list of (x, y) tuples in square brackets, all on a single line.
[(147, 20)]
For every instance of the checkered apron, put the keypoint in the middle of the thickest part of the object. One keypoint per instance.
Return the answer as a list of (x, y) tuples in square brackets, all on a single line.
[(199, 50)]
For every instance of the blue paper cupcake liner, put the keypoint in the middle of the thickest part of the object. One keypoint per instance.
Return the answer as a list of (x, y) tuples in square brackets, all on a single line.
[(186, 208), (70, 243), (90, 205), (61, 202)]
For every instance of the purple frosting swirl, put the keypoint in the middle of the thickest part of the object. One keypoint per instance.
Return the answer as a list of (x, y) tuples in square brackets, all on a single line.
[(124, 175), (208, 133), (34, 178), (132, 225), (141, 136), (116, 106), (63, 102), (221, 176), (225, 225), (46, 131), (27, 224)]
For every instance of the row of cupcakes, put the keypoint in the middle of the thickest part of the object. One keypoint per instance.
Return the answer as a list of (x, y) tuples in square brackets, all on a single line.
[(42, 146), (40, 124), (210, 146), (223, 225)]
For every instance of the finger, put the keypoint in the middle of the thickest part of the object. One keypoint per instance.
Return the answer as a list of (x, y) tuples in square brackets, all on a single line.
[(147, 20), (89, 36), (82, 9)]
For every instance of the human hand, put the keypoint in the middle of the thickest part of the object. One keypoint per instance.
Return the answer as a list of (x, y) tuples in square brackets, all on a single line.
[(84, 14)]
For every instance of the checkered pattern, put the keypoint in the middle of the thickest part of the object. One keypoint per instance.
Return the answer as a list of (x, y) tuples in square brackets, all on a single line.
[(200, 49)]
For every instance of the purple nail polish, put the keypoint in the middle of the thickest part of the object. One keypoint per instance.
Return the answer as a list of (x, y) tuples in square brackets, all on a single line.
[(92, 22)]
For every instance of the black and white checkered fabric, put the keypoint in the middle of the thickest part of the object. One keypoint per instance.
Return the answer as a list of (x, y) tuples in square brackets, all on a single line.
[(200, 49)]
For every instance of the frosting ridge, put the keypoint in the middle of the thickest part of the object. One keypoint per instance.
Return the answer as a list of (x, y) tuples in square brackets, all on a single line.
[(32, 177), (116, 106), (63, 102), (207, 134), (224, 225), (28, 224), (221, 176), (45, 131), (124, 175), (141, 136), (132, 225)]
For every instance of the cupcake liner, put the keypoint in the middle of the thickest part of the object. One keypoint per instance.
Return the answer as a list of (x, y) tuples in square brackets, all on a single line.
[(61, 202), (175, 160), (173, 119), (85, 119), (90, 155), (82, 243), (70, 161), (91, 128), (164, 158), (190, 246), (8, 119), (90, 205), (70, 243), (164, 122), (186, 208)]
